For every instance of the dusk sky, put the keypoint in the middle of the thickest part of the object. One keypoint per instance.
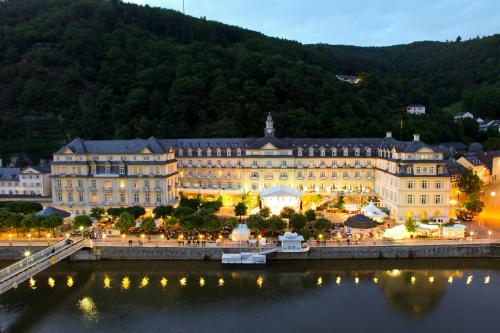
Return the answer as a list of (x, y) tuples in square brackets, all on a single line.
[(356, 22)]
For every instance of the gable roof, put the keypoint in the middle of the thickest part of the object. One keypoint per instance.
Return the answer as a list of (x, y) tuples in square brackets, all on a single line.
[(11, 174)]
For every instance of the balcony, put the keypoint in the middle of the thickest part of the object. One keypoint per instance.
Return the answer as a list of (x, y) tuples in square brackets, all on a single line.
[(121, 189), (300, 166), (135, 189), (158, 189), (107, 189)]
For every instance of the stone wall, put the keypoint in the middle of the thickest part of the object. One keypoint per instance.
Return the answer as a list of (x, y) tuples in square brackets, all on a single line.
[(354, 252)]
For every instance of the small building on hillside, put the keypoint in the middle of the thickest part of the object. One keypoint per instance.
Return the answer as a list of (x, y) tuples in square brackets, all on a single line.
[(463, 115), (485, 125), (348, 78), (416, 109)]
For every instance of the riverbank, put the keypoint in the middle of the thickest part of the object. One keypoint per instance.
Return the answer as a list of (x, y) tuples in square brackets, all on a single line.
[(123, 252)]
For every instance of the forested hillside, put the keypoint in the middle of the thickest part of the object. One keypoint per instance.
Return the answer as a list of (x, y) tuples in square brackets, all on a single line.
[(106, 69)]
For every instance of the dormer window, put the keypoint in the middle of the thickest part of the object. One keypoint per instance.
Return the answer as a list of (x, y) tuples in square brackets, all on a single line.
[(209, 152), (218, 152), (181, 151), (368, 152), (311, 151), (228, 152), (334, 152), (299, 152), (346, 152), (190, 152), (356, 152), (199, 152), (322, 152), (238, 152)]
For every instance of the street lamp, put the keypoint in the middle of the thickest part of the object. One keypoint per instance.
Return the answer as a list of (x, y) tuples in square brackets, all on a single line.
[(48, 238), (123, 237), (29, 240), (471, 234), (489, 234), (10, 239), (27, 253), (81, 230)]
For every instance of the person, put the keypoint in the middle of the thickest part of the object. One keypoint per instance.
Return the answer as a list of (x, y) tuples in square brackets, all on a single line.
[(130, 242)]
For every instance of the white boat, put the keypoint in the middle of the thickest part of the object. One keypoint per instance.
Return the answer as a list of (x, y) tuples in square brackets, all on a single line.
[(243, 259)]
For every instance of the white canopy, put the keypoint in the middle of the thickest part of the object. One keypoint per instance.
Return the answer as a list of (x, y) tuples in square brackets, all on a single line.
[(291, 236), (240, 233), (280, 191), (373, 211)]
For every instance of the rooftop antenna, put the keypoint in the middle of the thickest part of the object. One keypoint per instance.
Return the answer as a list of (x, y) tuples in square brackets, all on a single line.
[(183, 7)]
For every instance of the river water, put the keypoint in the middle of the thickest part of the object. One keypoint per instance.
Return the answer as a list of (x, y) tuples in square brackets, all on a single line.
[(302, 296)]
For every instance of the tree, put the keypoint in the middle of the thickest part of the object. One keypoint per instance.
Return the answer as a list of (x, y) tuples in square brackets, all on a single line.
[(33, 221), (265, 212), (469, 182), (411, 224), (82, 221), (287, 212), (474, 204), (275, 223), (148, 224), (163, 211), (115, 212), (52, 222), (96, 212), (136, 211), (182, 211), (322, 224), (125, 222), (21, 207), (310, 215), (240, 209), (255, 221), (340, 204), (298, 221)]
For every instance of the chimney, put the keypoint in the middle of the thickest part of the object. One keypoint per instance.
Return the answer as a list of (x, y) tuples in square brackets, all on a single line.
[(416, 137), (388, 134)]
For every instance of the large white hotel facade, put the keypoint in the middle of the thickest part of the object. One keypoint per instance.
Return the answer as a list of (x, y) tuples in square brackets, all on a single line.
[(410, 178)]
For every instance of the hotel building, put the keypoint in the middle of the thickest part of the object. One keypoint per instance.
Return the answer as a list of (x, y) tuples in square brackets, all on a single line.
[(408, 178)]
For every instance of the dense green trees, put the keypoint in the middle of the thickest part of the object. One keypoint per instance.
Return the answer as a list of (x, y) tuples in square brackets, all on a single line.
[(82, 221), (110, 69), (125, 222)]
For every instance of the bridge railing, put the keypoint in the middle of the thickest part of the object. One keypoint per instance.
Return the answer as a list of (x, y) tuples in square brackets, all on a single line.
[(33, 259)]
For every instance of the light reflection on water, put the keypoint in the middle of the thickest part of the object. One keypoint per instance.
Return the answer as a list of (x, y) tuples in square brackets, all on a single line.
[(131, 294)]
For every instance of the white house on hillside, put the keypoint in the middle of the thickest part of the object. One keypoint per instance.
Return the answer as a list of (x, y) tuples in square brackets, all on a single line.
[(415, 109)]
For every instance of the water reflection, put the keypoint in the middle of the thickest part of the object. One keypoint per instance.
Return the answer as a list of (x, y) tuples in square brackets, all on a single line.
[(32, 283), (144, 282), (70, 282), (107, 282), (125, 284), (88, 308), (163, 282), (406, 291)]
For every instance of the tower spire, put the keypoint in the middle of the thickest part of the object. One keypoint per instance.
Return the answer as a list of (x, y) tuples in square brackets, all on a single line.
[(269, 130)]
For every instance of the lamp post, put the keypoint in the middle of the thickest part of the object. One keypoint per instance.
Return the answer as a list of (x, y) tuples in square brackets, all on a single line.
[(10, 239), (81, 230), (29, 240), (123, 237), (489, 234), (48, 238)]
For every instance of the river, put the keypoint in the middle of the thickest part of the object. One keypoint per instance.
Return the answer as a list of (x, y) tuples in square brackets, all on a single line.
[(415, 295)]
